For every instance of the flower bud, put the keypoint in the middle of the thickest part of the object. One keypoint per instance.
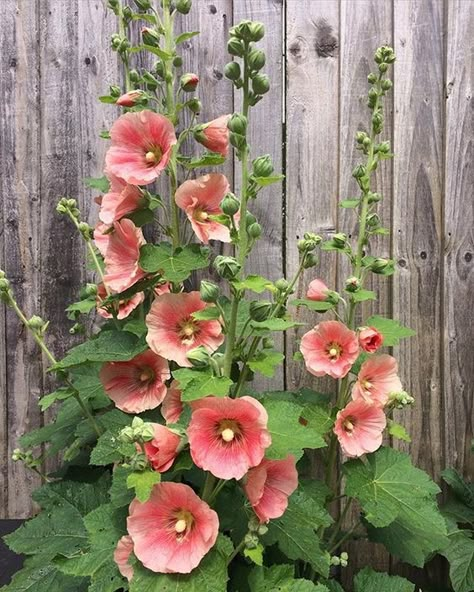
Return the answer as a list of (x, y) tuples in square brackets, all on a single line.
[(36, 323), (312, 240), (374, 198), (227, 267), (232, 71), (254, 230), (250, 219), (382, 266), (260, 310), (386, 84), (209, 291), (77, 329), (367, 142), (4, 284), (335, 560), (199, 357), (183, 6), (372, 78), (282, 284), (189, 82), (256, 59), (134, 76), (150, 37), (130, 98), (301, 244), (310, 261), (401, 399), (268, 343), (147, 433), (262, 166), (352, 284), (235, 47), (359, 171), (126, 435), (238, 124), (139, 462), (61, 209), (260, 84), (17, 455), (373, 221), (339, 239), (159, 70), (360, 137), (90, 290), (251, 541), (383, 67), (113, 4), (127, 14), (256, 31), (115, 91), (383, 147), (377, 122), (150, 81), (237, 140), (194, 105), (262, 529), (85, 230), (230, 205)]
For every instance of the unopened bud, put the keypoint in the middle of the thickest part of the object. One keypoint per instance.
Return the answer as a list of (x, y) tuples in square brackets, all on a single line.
[(90, 290), (383, 147), (227, 267), (130, 98), (335, 560), (4, 284), (147, 432), (238, 124), (262, 166), (260, 84), (310, 261), (339, 239), (262, 529), (360, 137), (126, 435), (230, 204), (189, 82), (232, 71), (251, 541), (382, 266), (150, 37), (372, 78), (386, 84), (268, 343), (401, 399), (260, 310), (194, 105), (235, 47), (139, 462), (359, 171), (254, 230), (374, 198), (373, 220), (199, 357), (183, 6), (85, 230), (352, 284), (256, 59), (209, 291), (36, 323), (282, 284)]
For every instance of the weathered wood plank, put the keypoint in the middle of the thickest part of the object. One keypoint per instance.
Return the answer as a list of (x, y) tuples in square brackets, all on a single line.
[(459, 239), (266, 138), (19, 182), (365, 25)]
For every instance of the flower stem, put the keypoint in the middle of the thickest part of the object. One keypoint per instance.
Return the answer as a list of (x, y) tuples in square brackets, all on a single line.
[(236, 551), (124, 55)]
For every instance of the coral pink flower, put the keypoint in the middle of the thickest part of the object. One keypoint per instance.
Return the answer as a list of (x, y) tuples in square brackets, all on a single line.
[(228, 436), (130, 98), (173, 332), (370, 339), (121, 199), (125, 307), (200, 199), (161, 289), (121, 556), (173, 530), (141, 146), (121, 257), (215, 135), (162, 450), (359, 428), (102, 234), (317, 290), (330, 348), (269, 485), (137, 385), (172, 407), (377, 378)]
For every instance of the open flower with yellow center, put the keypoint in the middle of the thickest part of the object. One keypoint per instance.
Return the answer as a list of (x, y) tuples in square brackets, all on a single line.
[(359, 428), (377, 378)]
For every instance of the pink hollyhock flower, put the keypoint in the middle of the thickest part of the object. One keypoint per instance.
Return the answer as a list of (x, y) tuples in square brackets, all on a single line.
[(161, 289), (102, 234), (125, 307), (136, 385), (130, 98), (121, 257), (269, 485), (173, 332), (122, 555), (377, 378), (370, 339), (317, 290), (330, 348), (172, 407), (173, 530), (122, 199), (228, 436), (215, 135), (163, 449), (141, 146), (359, 428), (201, 198)]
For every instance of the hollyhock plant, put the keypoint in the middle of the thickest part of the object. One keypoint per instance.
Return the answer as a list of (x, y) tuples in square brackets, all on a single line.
[(122, 555), (228, 436), (359, 428), (173, 530), (141, 147), (124, 307), (173, 331), (172, 406), (317, 290), (200, 199), (269, 485), (120, 200), (370, 340), (330, 348), (377, 378), (136, 385), (214, 135), (161, 451)]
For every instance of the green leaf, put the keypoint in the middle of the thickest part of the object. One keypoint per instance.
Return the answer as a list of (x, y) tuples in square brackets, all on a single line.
[(209, 576), (363, 295), (210, 313), (295, 532), (161, 53), (398, 431), (109, 346), (102, 184), (464, 491), (280, 578), (60, 395), (196, 384), (174, 266), (40, 577), (349, 203), (255, 283), (109, 449), (316, 305), (289, 435), (255, 555), (391, 330), (143, 483), (141, 217), (369, 580), (120, 495), (266, 362), (81, 307), (274, 325), (205, 160), (185, 36), (265, 181), (107, 99), (460, 554)]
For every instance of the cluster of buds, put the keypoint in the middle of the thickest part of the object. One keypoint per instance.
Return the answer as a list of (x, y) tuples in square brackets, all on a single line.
[(25, 456), (255, 531), (306, 246), (139, 431), (119, 43), (341, 560), (68, 206), (199, 357), (5, 290), (401, 399)]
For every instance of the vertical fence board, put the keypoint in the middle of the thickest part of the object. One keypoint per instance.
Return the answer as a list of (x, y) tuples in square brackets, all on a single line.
[(20, 144), (459, 238)]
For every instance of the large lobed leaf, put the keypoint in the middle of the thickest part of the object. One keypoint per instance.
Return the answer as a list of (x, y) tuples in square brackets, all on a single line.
[(174, 265), (369, 580), (280, 578)]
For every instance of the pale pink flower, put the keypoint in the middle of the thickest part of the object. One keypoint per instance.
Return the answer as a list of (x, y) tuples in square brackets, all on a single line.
[(228, 436), (173, 530), (200, 199), (172, 330), (130, 98), (125, 307), (269, 485), (121, 199), (330, 348), (317, 290), (122, 255), (122, 555), (359, 428), (172, 406), (377, 378), (370, 339), (141, 146), (136, 385), (102, 234), (163, 449), (214, 135)]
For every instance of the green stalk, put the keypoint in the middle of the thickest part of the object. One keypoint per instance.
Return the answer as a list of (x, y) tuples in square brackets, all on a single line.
[(124, 55)]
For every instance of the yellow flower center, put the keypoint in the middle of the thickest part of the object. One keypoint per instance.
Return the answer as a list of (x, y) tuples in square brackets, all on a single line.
[(348, 425), (334, 351), (153, 156), (188, 330), (180, 526), (227, 435), (201, 216), (146, 374)]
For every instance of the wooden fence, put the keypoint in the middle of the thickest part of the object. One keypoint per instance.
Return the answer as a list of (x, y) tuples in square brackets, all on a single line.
[(55, 61)]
